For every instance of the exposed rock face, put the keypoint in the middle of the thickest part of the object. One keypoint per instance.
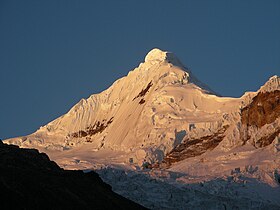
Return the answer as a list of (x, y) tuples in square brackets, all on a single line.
[(144, 91), (264, 109), (193, 147), (29, 180), (97, 127), (259, 116)]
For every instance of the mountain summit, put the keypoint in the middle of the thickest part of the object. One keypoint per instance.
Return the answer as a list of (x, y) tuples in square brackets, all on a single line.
[(157, 55)]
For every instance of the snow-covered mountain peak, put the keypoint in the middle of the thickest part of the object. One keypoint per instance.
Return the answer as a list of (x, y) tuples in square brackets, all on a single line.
[(272, 84), (156, 55), (160, 116)]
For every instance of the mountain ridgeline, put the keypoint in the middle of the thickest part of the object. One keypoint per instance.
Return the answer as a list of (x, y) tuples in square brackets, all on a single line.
[(29, 180)]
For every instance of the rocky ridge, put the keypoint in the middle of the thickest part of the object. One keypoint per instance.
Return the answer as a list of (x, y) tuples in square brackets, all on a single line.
[(29, 180)]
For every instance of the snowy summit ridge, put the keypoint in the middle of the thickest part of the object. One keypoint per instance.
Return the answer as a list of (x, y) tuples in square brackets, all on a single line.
[(272, 84), (157, 55)]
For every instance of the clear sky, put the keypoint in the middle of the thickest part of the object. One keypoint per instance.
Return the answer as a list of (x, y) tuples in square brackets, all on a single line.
[(55, 52)]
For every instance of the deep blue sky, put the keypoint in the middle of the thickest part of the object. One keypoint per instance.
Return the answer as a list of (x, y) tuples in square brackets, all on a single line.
[(53, 53)]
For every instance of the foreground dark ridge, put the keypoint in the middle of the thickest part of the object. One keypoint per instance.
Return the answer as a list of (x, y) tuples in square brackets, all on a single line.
[(29, 180)]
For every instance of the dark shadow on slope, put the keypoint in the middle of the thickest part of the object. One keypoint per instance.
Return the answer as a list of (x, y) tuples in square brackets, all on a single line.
[(29, 180), (179, 136), (156, 190)]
